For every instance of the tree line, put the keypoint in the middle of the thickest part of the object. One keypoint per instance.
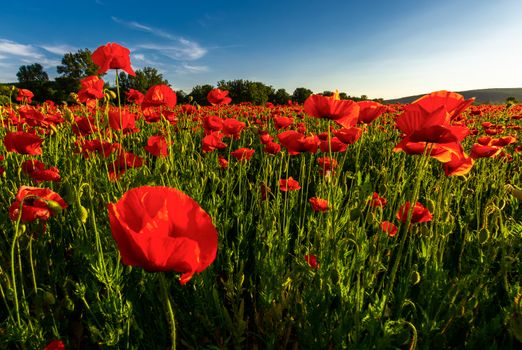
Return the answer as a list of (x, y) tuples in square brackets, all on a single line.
[(78, 65)]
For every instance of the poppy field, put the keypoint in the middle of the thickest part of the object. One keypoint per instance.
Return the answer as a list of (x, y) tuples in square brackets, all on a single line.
[(129, 221)]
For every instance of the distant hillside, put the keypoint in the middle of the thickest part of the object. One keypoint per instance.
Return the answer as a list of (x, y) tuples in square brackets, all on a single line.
[(492, 96)]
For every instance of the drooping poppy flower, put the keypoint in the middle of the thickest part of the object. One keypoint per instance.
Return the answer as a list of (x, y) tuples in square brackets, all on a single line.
[(377, 201), (134, 96), (319, 204), (36, 203), (311, 260), (420, 213), (39, 172), (91, 89), (157, 146), (23, 143), (369, 111), (289, 184), (218, 97), (326, 165), (453, 103), (389, 228), (112, 56), (343, 112), (242, 153), (163, 229), (159, 95), (24, 95)]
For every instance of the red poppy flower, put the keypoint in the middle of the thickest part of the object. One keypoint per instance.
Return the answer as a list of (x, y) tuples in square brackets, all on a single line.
[(233, 127), (159, 95), (23, 143), (24, 95), (265, 138), (484, 140), (389, 228), (223, 163), (157, 146), (242, 153), (134, 96), (122, 120), (319, 204), (440, 151), (212, 123), (38, 203), (272, 148), (212, 142), (377, 201), (421, 125), (38, 172), (453, 103), (459, 165), (484, 151), (326, 165), (335, 145), (420, 213), (55, 345), (504, 141), (102, 147), (311, 260), (163, 229), (84, 126), (218, 97), (348, 135), (296, 142), (282, 122), (112, 56), (289, 184), (343, 112), (369, 111), (125, 160), (91, 89)]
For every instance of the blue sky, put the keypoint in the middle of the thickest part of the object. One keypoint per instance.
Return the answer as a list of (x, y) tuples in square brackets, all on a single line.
[(376, 47)]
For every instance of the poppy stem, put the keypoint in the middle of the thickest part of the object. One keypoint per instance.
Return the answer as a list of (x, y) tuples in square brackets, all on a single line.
[(169, 310)]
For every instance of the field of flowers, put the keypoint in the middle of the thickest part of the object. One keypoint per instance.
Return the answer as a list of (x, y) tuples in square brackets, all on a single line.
[(332, 225)]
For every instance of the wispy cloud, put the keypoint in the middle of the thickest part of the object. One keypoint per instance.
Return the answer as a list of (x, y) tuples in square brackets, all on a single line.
[(188, 68), (59, 49), (177, 47), (15, 49)]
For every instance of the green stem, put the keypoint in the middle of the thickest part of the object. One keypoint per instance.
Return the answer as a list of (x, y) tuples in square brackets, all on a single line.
[(169, 309)]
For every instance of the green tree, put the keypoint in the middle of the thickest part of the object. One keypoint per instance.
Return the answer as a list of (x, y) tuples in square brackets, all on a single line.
[(32, 73), (247, 91), (280, 97), (145, 78), (199, 94), (74, 67), (301, 94)]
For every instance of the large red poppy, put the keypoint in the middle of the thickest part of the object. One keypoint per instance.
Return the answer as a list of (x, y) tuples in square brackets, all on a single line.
[(369, 111), (112, 56), (39, 172), (343, 112), (24, 95), (91, 89), (162, 229), (420, 213)]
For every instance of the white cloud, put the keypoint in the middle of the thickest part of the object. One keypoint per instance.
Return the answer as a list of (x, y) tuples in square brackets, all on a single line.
[(59, 49), (177, 47), (12, 48), (188, 68)]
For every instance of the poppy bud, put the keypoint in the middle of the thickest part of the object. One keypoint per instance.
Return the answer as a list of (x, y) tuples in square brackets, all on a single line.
[(55, 207)]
